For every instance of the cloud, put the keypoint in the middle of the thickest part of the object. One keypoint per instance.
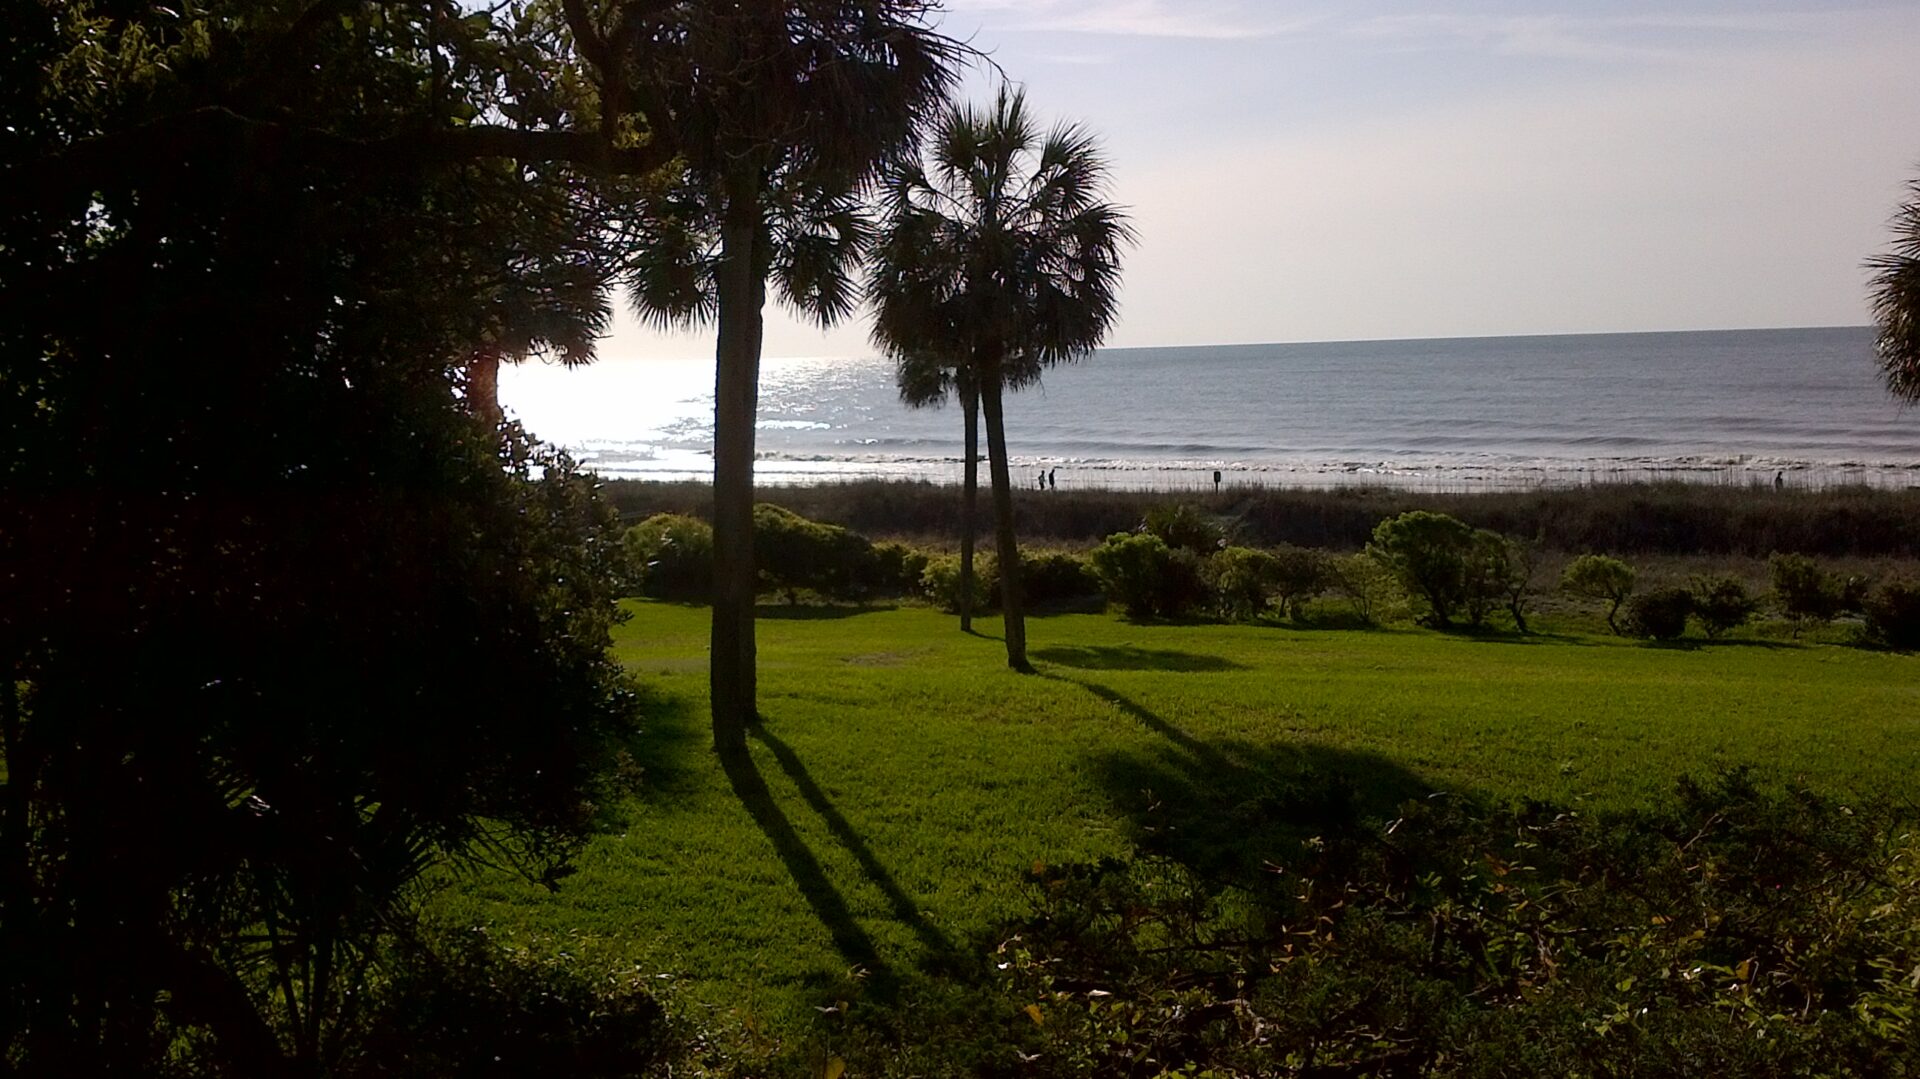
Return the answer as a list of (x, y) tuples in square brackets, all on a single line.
[(1215, 20), (1643, 37)]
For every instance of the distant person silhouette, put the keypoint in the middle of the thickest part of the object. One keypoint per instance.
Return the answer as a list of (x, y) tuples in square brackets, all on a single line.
[(1216, 481), (1779, 480), (1053, 481)]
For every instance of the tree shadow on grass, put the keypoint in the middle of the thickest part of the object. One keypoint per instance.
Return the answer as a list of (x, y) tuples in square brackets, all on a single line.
[(904, 907), (1233, 810), (852, 942), (1130, 658), (810, 876), (666, 756)]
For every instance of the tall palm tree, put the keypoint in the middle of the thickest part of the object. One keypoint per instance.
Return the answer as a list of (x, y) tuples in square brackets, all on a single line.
[(782, 110), (999, 248), (1896, 302)]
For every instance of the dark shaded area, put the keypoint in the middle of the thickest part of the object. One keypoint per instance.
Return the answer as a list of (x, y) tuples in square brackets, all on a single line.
[(1675, 518), (1231, 809), (1130, 658)]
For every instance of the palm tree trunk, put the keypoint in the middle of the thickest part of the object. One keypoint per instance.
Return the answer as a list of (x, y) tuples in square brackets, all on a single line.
[(969, 499), (742, 293), (1009, 550)]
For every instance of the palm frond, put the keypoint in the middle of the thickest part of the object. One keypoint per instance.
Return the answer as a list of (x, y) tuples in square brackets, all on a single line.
[(1896, 302)]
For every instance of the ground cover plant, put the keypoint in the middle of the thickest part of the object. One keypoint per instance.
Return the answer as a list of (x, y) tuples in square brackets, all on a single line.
[(902, 786)]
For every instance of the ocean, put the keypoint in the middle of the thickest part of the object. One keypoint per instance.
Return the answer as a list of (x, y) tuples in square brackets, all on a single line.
[(1739, 407)]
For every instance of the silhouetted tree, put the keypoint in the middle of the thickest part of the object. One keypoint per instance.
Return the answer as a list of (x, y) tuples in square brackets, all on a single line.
[(781, 110), (1896, 301), (279, 630), (998, 246)]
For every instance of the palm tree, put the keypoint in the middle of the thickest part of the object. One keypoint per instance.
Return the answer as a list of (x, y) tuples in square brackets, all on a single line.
[(998, 249), (782, 109), (927, 380), (1896, 302)]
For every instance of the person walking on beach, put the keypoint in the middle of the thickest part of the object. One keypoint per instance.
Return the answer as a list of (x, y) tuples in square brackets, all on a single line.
[(1779, 480), (1053, 482)]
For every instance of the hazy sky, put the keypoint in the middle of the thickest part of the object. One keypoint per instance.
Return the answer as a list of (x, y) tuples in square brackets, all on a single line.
[(1330, 171)]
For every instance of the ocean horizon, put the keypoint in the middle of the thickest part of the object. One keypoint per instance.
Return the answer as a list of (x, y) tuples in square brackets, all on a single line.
[(1802, 407)]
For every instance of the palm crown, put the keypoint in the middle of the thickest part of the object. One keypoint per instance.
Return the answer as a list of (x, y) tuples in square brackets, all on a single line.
[(998, 245), (1896, 302)]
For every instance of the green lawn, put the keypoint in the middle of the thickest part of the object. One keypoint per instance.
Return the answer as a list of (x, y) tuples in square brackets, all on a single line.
[(904, 779)]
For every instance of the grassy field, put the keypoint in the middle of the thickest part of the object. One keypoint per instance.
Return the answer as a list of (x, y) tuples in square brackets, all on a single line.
[(904, 780)]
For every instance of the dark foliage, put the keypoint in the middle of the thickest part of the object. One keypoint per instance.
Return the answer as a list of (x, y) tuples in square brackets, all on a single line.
[(1722, 603), (461, 1005), (1183, 526), (1893, 614), (281, 626), (1627, 519), (1659, 614), (1731, 931)]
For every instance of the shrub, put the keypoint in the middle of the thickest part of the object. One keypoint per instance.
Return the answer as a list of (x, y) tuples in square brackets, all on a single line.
[(463, 1005), (1053, 578), (1146, 577), (940, 581), (1299, 574), (1660, 614), (1495, 572), (793, 553), (1185, 527), (1370, 589), (1893, 614), (1721, 604), (1597, 577), (1731, 930), (895, 568), (1427, 553), (1240, 578), (670, 556), (1805, 593)]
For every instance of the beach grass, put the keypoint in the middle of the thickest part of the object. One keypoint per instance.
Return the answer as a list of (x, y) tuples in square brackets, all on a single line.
[(903, 779)]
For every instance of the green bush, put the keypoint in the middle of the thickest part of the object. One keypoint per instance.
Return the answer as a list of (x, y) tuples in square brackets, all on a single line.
[(1054, 578), (1598, 577), (793, 553), (1185, 527), (1728, 931), (1427, 553), (670, 556), (462, 1005), (1893, 614), (1660, 614), (1496, 572), (940, 581), (1805, 593), (1369, 587), (1241, 579), (1148, 578), (895, 569), (1722, 603), (1299, 574)]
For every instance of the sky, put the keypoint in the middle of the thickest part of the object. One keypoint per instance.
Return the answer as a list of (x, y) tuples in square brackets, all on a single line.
[(1368, 170)]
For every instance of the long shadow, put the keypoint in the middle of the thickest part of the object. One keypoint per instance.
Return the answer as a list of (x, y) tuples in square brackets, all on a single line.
[(1232, 810), (828, 904), (904, 907), (666, 755), (1131, 658)]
